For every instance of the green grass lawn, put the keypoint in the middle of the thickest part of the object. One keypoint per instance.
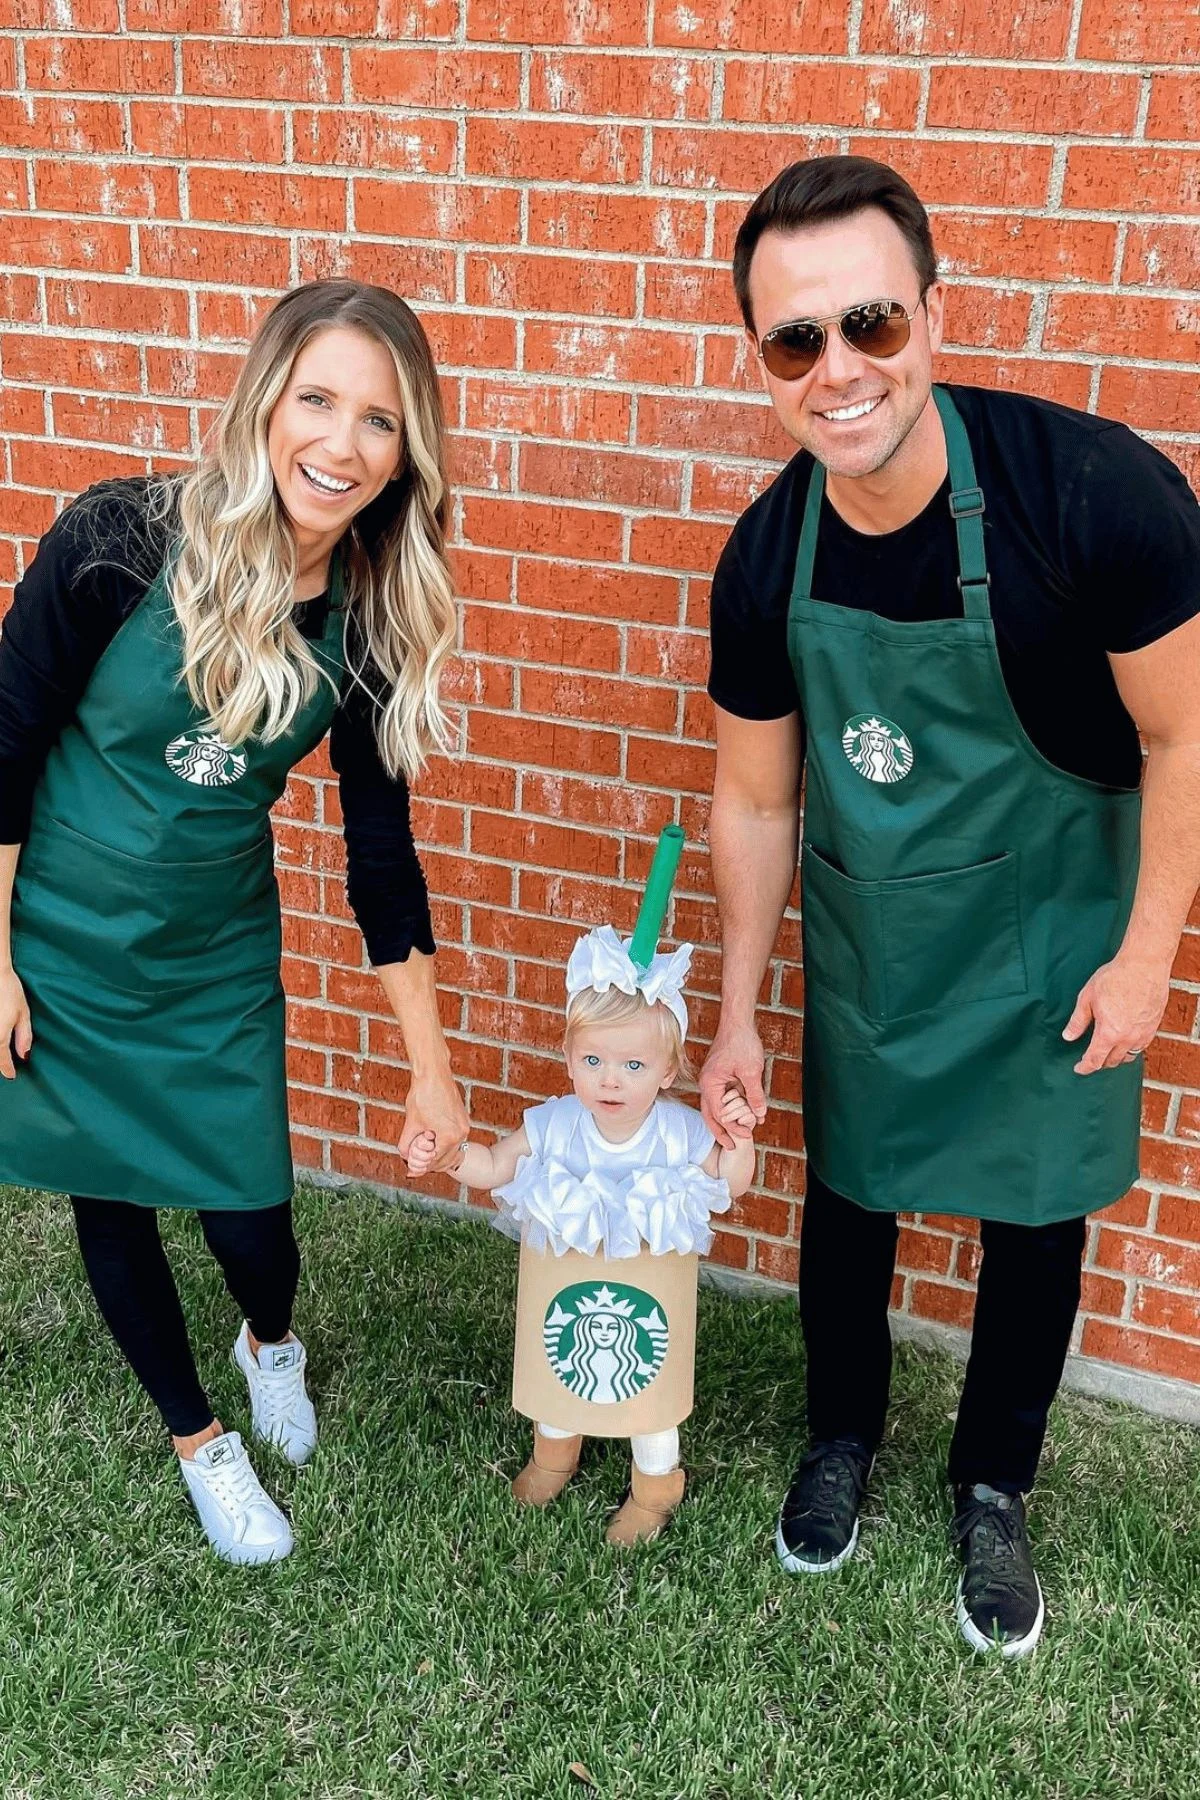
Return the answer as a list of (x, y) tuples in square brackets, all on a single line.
[(427, 1639)]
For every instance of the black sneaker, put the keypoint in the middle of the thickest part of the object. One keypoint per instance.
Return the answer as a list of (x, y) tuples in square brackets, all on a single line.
[(1000, 1605), (818, 1521)]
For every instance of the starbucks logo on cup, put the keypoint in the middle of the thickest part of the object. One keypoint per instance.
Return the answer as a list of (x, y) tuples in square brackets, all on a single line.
[(877, 748), (605, 1343), (204, 759)]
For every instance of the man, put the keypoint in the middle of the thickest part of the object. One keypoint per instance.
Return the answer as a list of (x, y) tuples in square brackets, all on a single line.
[(959, 608)]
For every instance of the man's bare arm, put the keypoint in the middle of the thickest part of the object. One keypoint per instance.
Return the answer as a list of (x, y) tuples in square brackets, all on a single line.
[(753, 839), (1124, 1001)]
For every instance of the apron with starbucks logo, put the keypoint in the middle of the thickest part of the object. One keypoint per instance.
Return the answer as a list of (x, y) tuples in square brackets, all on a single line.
[(957, 891), (146, 932)]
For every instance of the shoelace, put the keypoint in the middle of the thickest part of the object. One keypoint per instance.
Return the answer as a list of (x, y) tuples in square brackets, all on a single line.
[(996, 1551), (834, 1479), (276, 1391), (235, 1484)]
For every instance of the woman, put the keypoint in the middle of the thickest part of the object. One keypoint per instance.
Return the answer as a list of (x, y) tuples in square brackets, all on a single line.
[(176, 647)]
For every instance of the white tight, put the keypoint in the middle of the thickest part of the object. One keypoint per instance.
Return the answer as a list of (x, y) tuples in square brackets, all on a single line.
[(655, 1452)]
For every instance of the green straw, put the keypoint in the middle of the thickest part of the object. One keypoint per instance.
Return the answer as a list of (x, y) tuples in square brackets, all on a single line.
[(653, 909)]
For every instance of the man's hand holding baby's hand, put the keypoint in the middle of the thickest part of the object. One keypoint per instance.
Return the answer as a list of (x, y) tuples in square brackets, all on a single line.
[(736, 1114), (734, 1162), (422, 1153)]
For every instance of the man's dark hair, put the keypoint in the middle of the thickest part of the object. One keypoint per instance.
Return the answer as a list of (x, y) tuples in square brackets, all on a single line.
[(832, 187)]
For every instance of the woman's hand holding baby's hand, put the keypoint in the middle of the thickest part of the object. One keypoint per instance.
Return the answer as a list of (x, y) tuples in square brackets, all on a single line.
[(736, 1114), (422, 1153)]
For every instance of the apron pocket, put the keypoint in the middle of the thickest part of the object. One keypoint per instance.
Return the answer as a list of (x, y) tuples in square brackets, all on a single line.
[(843, 934), (921, 944), (137, 925), (952, 939)]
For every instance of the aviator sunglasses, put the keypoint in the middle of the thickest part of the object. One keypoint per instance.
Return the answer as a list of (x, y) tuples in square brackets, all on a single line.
[(878, 328)]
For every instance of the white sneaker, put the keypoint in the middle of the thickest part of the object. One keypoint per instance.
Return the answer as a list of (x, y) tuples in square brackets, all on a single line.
[(280, 1409), (243, 1523)]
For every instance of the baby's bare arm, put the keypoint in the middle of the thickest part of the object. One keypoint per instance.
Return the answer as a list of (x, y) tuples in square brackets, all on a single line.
[(736, 1166), (491, 1166)]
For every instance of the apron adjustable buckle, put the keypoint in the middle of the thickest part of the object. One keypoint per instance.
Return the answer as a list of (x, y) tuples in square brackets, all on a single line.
[(966, 581), (966, 503)]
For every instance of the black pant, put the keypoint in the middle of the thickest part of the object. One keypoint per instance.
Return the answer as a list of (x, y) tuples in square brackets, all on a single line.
[(1028, 1295), (136, 1293)]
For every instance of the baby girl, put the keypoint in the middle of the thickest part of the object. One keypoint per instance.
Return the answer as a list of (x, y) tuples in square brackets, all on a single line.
[(610, 1189)]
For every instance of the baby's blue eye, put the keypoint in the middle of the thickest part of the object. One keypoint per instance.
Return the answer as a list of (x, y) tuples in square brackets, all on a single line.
[(593, 1062), (634, 1064)]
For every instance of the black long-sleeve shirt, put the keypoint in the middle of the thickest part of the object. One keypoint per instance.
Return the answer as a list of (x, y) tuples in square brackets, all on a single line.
[(92, 568)]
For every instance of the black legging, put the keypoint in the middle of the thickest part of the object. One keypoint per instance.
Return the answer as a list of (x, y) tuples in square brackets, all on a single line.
[(136, 1293), (1028, 1295)]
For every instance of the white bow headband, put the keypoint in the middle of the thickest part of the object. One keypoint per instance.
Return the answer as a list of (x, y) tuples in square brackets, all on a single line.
[(601, 960)]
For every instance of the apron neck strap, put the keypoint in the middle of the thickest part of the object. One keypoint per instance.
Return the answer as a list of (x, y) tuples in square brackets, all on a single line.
[(806, 556), (966, 509), (337, 580)]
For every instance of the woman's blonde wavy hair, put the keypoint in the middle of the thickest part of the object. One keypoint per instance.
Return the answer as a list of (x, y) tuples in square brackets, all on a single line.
[(245, 663)]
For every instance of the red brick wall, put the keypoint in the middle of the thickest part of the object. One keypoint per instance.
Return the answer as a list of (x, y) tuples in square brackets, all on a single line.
[(556, 186)]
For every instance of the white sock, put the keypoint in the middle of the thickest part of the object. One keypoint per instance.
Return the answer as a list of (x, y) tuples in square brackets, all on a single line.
[(657, 1452), (553, 1431)]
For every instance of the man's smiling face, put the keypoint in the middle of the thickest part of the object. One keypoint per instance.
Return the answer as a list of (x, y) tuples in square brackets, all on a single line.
[(851, 411)]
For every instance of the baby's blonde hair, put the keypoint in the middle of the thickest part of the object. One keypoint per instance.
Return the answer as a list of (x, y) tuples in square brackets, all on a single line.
[(588, 1008)]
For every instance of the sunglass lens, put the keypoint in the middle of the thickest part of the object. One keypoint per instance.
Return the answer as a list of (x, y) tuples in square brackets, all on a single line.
[(792, 350), (878, 330)]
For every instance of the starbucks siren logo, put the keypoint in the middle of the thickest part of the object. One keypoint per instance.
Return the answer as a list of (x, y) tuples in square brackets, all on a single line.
[(204, 759), (605, 1344), (878, 749)]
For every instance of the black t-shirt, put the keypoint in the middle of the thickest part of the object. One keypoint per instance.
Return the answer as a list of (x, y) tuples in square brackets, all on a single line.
[(92, 568), (1093, 545)]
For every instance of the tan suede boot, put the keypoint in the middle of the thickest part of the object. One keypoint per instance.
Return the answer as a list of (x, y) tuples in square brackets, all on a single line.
[(548, 1470), (647, 1511)]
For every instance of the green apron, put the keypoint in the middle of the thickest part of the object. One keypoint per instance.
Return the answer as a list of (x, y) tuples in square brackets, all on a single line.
[(957, 891), (146, 932)]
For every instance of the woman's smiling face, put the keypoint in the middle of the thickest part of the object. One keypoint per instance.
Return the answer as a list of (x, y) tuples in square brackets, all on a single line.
[(336, 435)]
